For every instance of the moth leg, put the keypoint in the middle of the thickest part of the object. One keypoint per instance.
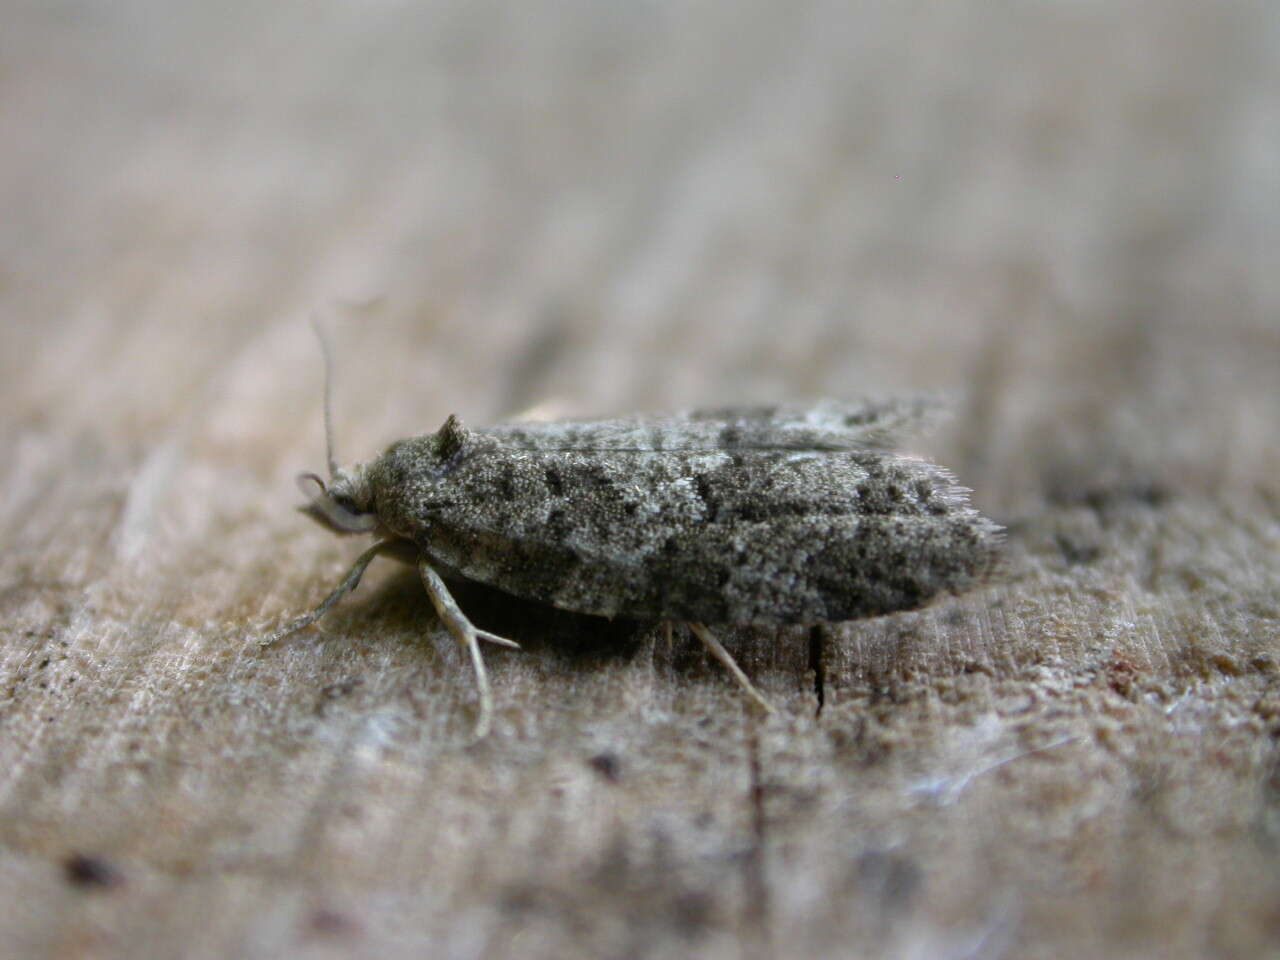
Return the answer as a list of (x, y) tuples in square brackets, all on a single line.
[(468, 637), (494, 638), (349, 583), (720, 653)]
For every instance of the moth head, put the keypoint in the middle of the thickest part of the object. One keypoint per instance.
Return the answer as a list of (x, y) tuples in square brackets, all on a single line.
[(345, 505)]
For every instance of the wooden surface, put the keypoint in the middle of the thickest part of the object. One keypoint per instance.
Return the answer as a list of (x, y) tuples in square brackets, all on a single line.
[(1065, 216)]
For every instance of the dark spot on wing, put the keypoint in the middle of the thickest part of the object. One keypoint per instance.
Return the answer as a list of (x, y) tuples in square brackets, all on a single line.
[(555, 482), (706, 493), (730, 435), (507, 481)]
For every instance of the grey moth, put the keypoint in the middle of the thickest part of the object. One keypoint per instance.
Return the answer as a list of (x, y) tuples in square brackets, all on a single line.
[(765, 516)]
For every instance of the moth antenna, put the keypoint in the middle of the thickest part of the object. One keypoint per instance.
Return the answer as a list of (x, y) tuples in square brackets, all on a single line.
[(326, 348)]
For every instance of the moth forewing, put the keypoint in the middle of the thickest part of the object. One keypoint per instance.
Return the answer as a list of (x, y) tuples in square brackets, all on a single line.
[(832, 425)]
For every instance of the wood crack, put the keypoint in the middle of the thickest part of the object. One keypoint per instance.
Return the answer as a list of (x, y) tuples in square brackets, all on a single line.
[(757, 901), (817, 665)]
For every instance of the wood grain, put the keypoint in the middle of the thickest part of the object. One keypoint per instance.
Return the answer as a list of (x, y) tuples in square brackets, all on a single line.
[(1065, 217)]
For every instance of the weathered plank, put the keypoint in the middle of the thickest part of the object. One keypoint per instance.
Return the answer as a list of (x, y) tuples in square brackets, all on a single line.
[(1059, 216)]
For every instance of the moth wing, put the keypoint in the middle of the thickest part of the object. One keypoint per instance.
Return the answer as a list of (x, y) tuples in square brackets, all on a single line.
[(832, 425), (764, 537)]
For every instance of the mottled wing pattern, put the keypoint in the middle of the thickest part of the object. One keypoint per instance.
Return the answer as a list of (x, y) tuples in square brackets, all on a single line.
[(728, 535), (848, 425)]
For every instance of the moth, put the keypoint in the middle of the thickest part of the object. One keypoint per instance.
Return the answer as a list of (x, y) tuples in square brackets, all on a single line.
[(766, 517)]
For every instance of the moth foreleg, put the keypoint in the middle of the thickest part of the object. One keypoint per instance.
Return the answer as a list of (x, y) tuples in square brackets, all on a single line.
[(468, 637), (349, 583), (495, 639), (720, 653)]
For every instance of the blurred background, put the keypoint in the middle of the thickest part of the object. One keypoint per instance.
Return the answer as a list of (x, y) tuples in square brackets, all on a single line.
[(634, 205), (1064, 215)]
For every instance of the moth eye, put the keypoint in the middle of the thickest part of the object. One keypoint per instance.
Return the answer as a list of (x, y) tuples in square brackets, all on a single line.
[(343, 516), (338, 512)]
